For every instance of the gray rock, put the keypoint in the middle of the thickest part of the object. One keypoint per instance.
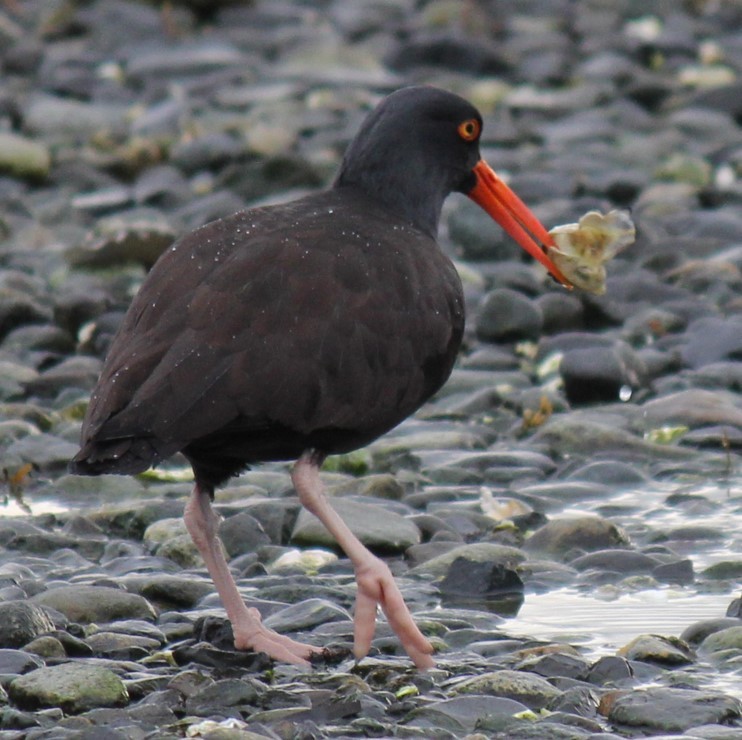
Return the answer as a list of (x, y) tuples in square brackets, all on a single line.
[(714, 732), (697, 632), (668, 651), (562, 664), (73, 687), (220, 696), (601, 374), (533, 691), (45, 451), (478, 551), (17, 661), (21, 622), (181, 550), (588, 533), (50, 543), (610, 472), (570, 436), (474, 233), (678, 572), (23, 157), (464, 713), (622, 561), (163, 530), (469, 581), (693, 408), (182, 59), (305, 615), (375, 526), (39, 337), (724, 569), (208, 151), (242, 533), (711, 339), (14, 379), (86, 604), (673, 710), (74, 372), (561, 312), (121, 646), (139, 236), (47, 647), (725, 639), (55, 117), (508, 316), (19, 306), (610, 670)]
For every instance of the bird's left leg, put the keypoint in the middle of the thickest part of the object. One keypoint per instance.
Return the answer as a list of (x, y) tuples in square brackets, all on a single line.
[(375, 582), (249, 633)]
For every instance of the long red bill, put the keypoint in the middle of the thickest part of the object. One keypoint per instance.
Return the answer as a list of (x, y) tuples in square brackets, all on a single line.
[(505, 207)]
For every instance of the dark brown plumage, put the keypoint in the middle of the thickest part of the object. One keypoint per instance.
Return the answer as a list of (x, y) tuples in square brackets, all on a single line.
[(302, 330), (254, 340)]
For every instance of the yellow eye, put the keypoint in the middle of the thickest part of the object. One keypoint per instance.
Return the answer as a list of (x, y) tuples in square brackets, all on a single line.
[(469, 130)]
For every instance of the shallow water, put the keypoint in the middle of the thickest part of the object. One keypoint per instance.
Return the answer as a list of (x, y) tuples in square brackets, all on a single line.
[(601, 627), (602, 621)]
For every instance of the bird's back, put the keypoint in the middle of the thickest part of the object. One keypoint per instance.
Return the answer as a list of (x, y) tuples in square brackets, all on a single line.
[(320, 323)]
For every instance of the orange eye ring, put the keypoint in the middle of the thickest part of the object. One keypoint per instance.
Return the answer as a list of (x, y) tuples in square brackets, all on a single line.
[(470, 129)]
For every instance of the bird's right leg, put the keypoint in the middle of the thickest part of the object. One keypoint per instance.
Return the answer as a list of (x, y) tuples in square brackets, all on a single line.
[(202, 523), (376, 585)]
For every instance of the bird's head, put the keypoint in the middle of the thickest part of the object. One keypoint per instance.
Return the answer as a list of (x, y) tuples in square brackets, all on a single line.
[(419, 145)]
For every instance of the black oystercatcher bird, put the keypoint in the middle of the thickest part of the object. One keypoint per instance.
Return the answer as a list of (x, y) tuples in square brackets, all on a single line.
[(301, 330)]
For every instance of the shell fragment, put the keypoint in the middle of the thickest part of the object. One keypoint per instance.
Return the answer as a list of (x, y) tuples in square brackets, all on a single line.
[(581, 250)]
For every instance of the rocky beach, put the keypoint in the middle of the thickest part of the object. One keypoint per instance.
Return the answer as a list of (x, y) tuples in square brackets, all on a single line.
[(564, 517)]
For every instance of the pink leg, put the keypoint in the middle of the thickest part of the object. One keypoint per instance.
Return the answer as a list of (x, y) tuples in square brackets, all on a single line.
[(375, 582), (249, 633)]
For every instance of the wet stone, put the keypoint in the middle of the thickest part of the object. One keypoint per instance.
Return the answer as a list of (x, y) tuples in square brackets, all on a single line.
[(487, 552), (724, 639), (305, 615), (471, 581), (75, 372), (46, 451), (137, 125), (95, 603), (242, 533), (464, 713), (23, 157), (374, 525), (559, 536), (74, 687), (507, 316), (121, 646), (673, 710), (17, 661), (138, 236), (658, 649), (557, 665), (21, 622), (622, 561), (169, 590), (46, 647), (695, 633), (224, 697), (533, 691), (600, 374)]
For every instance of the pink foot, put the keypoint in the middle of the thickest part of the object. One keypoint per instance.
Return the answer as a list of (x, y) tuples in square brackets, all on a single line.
[(250, 634), (376, 587)]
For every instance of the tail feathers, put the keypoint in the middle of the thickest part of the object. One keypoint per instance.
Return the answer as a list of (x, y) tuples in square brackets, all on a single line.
[(126, 456)]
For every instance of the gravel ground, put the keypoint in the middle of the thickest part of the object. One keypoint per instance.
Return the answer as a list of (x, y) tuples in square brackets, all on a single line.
[(564, 516)]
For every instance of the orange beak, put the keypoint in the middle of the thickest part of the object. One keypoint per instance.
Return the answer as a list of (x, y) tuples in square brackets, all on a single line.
[(505, 207)]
